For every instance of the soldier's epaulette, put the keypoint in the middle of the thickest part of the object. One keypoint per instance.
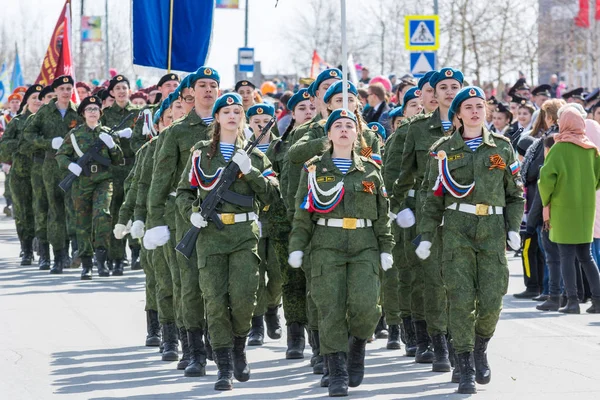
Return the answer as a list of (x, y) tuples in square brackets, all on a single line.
[(370, 160), (200, 145), (419, 117), (439, 142), (105, 129), (500, 136), (257, 152), (318, 124)]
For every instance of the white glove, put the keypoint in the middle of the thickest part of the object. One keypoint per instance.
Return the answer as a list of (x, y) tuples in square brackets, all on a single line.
[(120, 231), (6, 168), (125, 133), (295, 259), (148, 127), (424, 250), (57, 142), (198, 220), (159, 235), (148, 244), (386, 261), (242, 159), (137, 229), (74, 168), (107, 139), (405, 218), (514, 240)]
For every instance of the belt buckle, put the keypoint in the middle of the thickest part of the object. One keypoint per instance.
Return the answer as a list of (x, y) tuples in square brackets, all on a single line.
[(349, 223), (266, 208), (124, 162), (482, 209), (93, 168), (228, 219)]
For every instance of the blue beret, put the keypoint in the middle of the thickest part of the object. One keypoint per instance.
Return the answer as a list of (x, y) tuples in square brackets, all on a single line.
[(337, 114), (464, 94), (396, 112), (311, 89), (205, 73), (261, 109), (337, 88), (446, 73), (228, 99), (299, 96), (378, 129), (425, 79), (332, 73), (412, 93), (164, 105), (186, 82)]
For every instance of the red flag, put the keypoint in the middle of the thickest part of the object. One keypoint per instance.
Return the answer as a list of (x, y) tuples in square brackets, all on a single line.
[(318, 65), (58, 60), (597, 10), (583, 18)]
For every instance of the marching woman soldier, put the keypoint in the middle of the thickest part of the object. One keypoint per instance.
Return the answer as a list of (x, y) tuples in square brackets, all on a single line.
[(279, 227), (268, 297), (342, 214), (91, 192), (474, 189), (228, 261)]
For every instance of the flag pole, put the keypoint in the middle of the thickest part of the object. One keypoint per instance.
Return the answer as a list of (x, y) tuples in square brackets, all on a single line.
[(170, 38), (106, 32), (344, 56)]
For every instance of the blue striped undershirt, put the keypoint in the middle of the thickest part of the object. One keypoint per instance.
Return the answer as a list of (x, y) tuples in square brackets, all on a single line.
[(343, 164), (208, 120), (474, 143), (263, 147), (447, 125), (227, 150)]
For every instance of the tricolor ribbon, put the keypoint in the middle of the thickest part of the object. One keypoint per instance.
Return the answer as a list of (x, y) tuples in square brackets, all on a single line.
[(198, 178), (314, 202), (445, 182)]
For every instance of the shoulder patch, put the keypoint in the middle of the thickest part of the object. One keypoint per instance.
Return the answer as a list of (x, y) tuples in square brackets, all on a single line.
[(500, 136), (258, 153), (370, 161), (439, 142)]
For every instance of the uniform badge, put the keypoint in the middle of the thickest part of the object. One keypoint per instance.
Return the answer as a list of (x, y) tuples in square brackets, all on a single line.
[(208, 71), (325, 179), (343, 113), (449, 73), (312, 168), (472, 92), (332, 73), (383, 191), (515, 167), (119, 78), (73, 124), (173, 77), (306, 95), (65, 79), (496, 162), (366, 151), (38, 87), (244, 83), (456, 157), (368, 187), (374, 128), (230, 100), (259, 110), (417, 92), (441, 155)]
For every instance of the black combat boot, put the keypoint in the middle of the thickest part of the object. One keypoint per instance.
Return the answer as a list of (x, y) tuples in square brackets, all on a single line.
[(209, 350), (185, 350), (225, 366), (44, 253), (101, 260), (424, 355), (356, 361), (241, 370), (381, 331), (27, 252), (595, 308), (170, 348), (197, 365), (454, 361), (256, 337), (57, 268), (152, 328), (272, 322), (338, 374), (572, 306), (467, 374), (410, 339), (393, 342), (441, 361), (551, 304), (325, 377), (483, 374), (86, 268), (295, 341), (75, 259), (318, 358), (135, 259), (117, 268)]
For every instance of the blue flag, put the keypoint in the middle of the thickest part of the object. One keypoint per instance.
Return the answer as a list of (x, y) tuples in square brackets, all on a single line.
[(190, 33), (17, 79), (4, 84)]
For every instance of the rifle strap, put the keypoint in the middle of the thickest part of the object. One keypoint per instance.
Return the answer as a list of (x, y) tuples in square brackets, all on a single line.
[(76, 146)]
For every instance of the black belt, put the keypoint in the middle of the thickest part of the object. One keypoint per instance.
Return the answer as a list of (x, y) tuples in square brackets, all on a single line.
[(97, 168), (127, 161)]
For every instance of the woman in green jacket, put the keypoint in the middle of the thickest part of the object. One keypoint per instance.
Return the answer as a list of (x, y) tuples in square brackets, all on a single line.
[(568, 183), (342, 214)]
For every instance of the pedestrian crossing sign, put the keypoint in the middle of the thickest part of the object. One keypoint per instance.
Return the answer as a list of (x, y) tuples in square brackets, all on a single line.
[(421, 62), (422, 32)]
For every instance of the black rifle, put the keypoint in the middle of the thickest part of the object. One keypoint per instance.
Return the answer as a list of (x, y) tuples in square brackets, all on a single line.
[(93, 153), (219, 194)]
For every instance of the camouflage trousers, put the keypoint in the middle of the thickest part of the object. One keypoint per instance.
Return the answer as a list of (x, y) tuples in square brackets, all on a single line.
[(57, 222), (229, 283), (475, 271), (435, 296), (413, 279), (7, 193), (22, 194), (91, 202), (270, 279), (119, 173), (40, 201), (346, 291), (396, 301), (172, 264), (312, 312), (293, 285), (164, 286), (146, 262), (192, 301)]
